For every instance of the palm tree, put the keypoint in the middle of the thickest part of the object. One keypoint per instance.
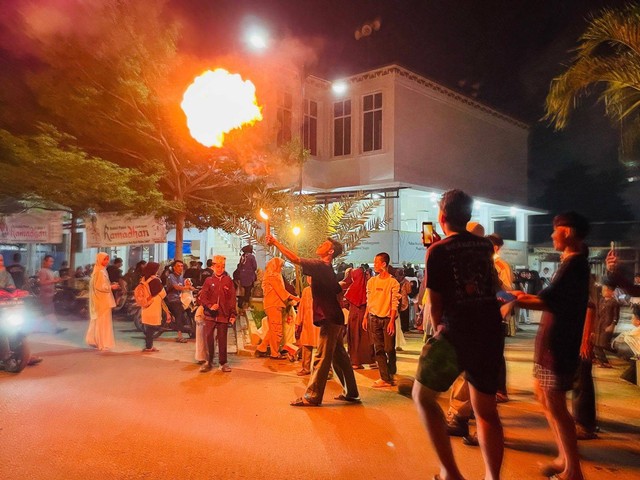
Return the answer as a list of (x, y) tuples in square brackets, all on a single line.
[(607, 62)]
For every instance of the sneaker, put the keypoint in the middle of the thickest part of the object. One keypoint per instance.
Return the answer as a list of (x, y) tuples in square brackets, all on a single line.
[(206, 367), (457, 427), (225, 367)]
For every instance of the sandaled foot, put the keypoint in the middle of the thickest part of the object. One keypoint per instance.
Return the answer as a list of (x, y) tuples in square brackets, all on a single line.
[(344, 398), (302, 373), (381, 384), (303, 402), (181, 340), (551, 469)]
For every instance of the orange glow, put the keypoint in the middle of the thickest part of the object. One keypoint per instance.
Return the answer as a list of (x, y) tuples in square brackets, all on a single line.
[(264, 215), (216, 103)]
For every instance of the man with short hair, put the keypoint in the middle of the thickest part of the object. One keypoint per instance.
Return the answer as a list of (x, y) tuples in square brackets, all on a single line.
[(218, 298), (557, 347), (207, 272), (47, 280), (327, 315), (175, 286), (380, 318), (462, 286)]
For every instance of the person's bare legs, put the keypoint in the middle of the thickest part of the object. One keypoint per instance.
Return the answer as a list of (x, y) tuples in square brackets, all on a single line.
[(556, 404), (433, 419), (559, 462), (490, 433)]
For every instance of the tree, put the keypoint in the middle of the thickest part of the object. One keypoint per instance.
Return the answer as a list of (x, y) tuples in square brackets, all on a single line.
[(350, 220), (608, 57), (49, 171), (117, 88)]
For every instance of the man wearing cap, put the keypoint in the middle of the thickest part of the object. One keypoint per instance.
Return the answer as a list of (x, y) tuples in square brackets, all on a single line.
[(218, 299)]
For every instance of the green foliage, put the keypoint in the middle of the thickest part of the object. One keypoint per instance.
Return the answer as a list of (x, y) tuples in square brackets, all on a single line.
[(49, 170), (608, 59), (349, 220)]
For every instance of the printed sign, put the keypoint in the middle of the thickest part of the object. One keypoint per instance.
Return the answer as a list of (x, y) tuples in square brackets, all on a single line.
[(113, 229), (32, 227)]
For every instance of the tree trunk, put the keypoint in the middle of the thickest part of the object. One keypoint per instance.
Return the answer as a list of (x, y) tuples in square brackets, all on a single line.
[(180, 220), (73, 240)]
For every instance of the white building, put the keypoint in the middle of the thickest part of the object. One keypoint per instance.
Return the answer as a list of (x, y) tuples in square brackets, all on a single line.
[(407, 139)]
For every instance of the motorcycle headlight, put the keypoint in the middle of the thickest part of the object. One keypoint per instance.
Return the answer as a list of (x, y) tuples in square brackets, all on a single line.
[(14, 319)]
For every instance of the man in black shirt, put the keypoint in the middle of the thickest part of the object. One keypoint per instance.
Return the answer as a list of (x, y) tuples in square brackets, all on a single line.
[(327, 314), (462, 283), (557, 347)]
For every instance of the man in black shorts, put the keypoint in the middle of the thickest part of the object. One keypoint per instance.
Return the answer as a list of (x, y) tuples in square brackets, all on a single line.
[(327, 314), (462, 283)]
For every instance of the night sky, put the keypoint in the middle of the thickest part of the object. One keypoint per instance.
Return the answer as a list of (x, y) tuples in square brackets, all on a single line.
[(502, 52)]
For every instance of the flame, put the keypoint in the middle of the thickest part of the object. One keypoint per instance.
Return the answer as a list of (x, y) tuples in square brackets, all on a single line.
[(216, 103), (264, 215)]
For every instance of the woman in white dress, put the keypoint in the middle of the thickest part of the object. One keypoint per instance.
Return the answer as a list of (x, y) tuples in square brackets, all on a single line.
[(100, 332)]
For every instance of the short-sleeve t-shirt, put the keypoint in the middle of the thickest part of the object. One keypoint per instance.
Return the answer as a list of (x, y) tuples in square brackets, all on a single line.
[(461, 269), (173, 294), (559, 336), (324, 291)]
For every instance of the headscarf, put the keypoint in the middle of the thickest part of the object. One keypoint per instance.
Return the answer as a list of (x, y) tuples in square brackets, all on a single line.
[(98, 267), (150, 270), (274, 266)]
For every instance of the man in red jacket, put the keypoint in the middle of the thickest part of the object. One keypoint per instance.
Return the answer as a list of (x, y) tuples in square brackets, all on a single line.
[(218, 298)]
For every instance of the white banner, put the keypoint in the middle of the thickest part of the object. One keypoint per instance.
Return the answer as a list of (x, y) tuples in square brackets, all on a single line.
[(113, 229), (32, 227), (370, 247), (411, 248)]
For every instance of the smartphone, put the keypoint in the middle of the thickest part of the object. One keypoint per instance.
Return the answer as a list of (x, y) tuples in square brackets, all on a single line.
[(613, 247), (427, 233)]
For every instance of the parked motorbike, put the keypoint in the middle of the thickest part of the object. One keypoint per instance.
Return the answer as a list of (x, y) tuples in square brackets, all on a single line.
[(14, 351), (167, 325)]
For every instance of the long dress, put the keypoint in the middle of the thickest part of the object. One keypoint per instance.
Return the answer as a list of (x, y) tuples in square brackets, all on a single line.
[(100, 332)]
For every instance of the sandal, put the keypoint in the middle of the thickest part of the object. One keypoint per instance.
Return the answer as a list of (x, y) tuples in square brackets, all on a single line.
[(303, 402), (181, 340), (280, 357), (344, 398)]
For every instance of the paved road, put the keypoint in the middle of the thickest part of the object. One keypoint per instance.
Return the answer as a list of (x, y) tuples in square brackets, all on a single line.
[(127, 415)]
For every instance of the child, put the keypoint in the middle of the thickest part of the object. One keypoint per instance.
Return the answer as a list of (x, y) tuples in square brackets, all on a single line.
[(152, 315), (606, 321), (308, 336)]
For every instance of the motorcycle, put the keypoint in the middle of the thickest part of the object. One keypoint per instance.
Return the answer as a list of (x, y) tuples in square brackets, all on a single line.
[(168, 325), (14, 350)]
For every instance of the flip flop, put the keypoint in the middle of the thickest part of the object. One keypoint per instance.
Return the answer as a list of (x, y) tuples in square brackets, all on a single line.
[(181, 340), (344, 398), (303, 402)]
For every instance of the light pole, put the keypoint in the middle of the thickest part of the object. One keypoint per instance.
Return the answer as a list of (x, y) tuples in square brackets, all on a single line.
[(296, 231)]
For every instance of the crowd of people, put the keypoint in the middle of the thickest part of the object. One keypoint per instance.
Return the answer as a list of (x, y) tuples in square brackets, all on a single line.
[(464, 297)]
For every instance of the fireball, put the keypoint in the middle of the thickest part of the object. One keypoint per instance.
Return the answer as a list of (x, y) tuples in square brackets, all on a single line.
[(216, 103)]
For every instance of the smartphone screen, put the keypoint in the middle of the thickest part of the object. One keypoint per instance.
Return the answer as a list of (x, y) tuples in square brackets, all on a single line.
[(427, 233)]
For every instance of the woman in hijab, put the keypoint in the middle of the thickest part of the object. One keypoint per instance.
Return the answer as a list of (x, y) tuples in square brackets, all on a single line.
[(100, 333), (275, 304), (152, 315), (6, 280)]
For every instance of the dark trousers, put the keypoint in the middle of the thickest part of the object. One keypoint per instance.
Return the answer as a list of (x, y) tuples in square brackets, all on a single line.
[(177, 312), (502, 377), (384, 346), (211, 331), (149, 331), (584, 396), (243, 300), (331, 352), (404, 319)]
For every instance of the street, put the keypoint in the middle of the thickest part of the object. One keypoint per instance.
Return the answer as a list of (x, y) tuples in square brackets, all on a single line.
[(127, 415)]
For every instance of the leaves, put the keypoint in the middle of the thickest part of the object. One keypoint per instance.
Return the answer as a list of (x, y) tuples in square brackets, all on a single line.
[(608, 62)]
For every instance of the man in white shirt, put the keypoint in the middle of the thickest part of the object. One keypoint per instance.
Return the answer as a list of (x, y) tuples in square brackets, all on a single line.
[(380, 318)]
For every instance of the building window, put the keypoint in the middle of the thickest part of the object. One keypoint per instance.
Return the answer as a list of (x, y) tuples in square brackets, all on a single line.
[(342, 128), (372, 122), (310, 127), (285, 107)]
